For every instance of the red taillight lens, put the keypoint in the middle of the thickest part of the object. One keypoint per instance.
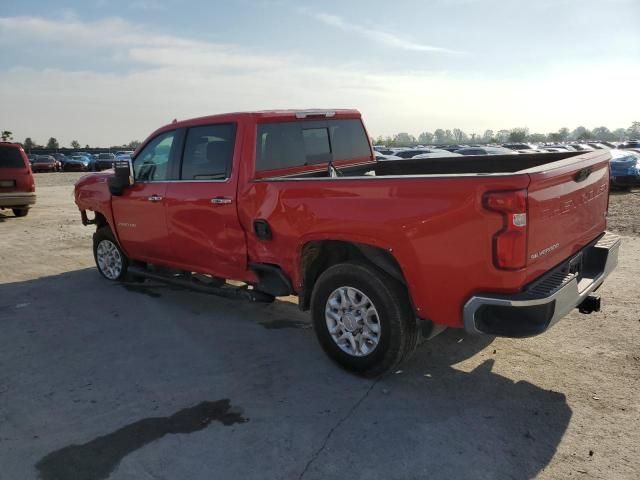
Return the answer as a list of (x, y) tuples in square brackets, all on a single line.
[(510, 243)]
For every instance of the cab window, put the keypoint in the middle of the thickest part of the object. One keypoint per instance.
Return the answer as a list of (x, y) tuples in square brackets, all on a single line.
[(208, 152), (293, 144), (152, 163)]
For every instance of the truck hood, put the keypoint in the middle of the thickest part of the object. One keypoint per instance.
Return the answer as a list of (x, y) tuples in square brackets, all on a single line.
[(91, 178)]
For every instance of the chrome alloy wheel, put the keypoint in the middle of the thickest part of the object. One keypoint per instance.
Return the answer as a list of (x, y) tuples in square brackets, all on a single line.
[(353, 322), (109, 259)]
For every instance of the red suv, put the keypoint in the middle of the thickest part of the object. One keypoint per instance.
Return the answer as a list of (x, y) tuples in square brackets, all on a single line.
[(17, 187)]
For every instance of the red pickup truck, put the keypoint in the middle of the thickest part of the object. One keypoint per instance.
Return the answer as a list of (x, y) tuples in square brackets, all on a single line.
[(293, 202)]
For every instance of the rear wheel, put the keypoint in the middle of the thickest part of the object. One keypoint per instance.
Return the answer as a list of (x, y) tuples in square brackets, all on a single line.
[(20, 212), (363, 318), (111, 261)]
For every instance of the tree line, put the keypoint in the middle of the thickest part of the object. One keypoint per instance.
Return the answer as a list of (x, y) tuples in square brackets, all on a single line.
[(439, 136), (516, 135), (52, 144)]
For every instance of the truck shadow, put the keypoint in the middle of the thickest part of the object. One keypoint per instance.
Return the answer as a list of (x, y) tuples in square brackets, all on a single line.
[(432, 420)]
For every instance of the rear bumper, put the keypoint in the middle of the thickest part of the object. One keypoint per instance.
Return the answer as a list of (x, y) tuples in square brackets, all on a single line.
[(17, 199), (546, 300)]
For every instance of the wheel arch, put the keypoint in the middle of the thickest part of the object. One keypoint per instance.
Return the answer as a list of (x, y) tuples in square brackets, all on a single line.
[(318, 255)]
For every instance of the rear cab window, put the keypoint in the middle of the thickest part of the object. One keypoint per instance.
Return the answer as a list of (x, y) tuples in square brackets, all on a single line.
[(10, 157), (284, 145)]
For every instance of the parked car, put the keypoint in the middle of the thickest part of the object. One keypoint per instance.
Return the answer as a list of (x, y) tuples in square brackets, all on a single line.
[(17, 185), (61, 157), (104, 161), (437, 153), (124, 152), (384, 150), (625, 168), (91, 159), (45, 163), (413, 153), (451, 148), (598, 146), (486, 151), (630, 144), (381, 157), (518, 146), (566, 148), (380, 252), (77, 163), (582, 147)]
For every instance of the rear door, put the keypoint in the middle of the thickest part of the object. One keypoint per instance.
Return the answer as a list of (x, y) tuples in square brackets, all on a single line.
[(15, 171), (140, 213), (204, 229), (567, 206)]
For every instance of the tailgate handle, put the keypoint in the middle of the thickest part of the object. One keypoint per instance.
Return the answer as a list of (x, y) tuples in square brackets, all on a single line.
[(582, 175)]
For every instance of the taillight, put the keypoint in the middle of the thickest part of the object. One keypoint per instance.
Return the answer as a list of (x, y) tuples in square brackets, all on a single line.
[(510, 243)]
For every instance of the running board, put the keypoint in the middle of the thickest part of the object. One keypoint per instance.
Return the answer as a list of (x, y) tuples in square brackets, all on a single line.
[(234, 293)]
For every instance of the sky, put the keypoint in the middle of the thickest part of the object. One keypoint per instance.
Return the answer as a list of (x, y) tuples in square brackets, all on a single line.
[(105, 72)]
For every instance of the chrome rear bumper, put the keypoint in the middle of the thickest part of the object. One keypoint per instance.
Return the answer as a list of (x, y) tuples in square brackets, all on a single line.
[(17, 199), (546, 300)]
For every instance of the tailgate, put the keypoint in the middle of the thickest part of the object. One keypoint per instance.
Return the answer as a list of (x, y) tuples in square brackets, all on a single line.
[(15, 176), (567, 206)]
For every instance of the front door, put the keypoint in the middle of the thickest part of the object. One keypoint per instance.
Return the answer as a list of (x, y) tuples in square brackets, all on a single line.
[(206, 235), (140, 212)]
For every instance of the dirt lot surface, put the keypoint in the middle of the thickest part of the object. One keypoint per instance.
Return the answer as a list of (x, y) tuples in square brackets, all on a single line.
[(103, 380)]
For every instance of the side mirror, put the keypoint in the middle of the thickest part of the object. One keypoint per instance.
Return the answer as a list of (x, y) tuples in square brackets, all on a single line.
[(123, 177)]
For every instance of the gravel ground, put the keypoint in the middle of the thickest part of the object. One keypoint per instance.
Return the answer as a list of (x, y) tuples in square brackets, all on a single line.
[(624, 212), (101, 380)]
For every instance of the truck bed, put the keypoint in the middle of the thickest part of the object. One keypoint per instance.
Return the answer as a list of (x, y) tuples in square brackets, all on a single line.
[(465, 165), (430, 213)]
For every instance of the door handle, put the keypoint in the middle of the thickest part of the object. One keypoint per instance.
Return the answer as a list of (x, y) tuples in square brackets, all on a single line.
[(154, 198), (221, 201)]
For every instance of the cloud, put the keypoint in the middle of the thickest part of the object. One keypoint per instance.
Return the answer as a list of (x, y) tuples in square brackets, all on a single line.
[(153, 77), (385, 38), (130, 43)]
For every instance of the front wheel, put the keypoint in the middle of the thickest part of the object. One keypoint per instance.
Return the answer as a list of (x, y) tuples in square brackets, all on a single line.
[(363, 318), (111, 261)]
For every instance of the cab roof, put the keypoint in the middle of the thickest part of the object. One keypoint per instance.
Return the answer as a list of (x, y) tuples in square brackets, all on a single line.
[(267, 115)]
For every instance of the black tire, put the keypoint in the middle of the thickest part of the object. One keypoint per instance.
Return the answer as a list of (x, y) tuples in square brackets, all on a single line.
[(103, 234), (398, 330), (20, 212)]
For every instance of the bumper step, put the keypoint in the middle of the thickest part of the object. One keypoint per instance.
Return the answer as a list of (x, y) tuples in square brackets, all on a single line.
[(547, 299)]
